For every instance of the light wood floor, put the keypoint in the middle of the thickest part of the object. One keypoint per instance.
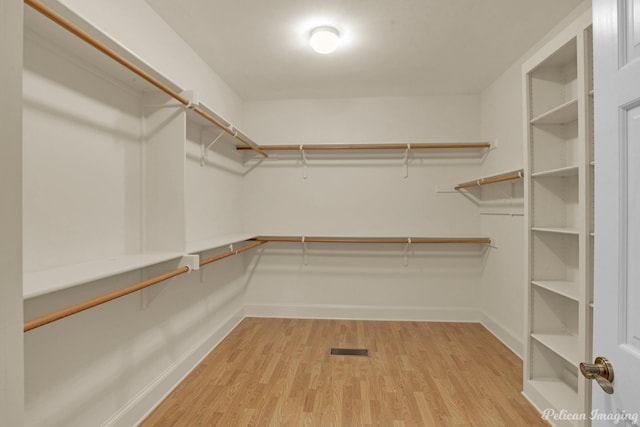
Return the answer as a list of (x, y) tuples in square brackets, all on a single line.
[(278, 372)]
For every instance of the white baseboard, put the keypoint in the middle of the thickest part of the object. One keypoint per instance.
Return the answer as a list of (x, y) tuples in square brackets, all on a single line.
[(508, 338), (433, 314), (140, 406)]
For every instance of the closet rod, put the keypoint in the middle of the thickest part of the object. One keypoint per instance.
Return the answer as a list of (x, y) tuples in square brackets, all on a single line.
[(65, 312), (327, 147), (230, 253), (81, 34), (492, 179), (74, 309), (480, 240)]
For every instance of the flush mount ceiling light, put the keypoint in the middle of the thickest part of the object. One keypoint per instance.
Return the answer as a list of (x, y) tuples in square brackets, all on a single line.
[(324, 40)]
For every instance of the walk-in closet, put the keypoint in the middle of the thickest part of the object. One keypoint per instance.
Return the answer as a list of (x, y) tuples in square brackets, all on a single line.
[(211, 218)]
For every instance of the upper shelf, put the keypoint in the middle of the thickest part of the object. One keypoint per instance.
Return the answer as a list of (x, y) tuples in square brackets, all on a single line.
[(562, 114), (104, 54), (506, 176), (563, 57)]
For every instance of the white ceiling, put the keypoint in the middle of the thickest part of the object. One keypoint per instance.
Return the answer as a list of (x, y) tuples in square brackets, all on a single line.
[(390, 48)]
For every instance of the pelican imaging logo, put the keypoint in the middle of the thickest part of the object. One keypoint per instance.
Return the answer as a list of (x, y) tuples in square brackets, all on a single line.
[(596, 414)]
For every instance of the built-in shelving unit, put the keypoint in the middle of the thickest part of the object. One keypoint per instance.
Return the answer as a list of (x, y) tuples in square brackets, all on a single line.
[(558, 192)]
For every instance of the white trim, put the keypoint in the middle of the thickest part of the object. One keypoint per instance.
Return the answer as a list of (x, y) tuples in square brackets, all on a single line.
[(141, 405), (437, 314), (507, 337)]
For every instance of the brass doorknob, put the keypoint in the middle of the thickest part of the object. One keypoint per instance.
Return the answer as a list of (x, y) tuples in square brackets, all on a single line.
[(600, 370)]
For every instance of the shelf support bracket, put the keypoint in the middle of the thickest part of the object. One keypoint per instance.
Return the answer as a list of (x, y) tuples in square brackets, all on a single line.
[(305, 255), (406, 252), (303, 158), (191, 261), (192, 97), (406, 161), (205, 150), (148, 295)]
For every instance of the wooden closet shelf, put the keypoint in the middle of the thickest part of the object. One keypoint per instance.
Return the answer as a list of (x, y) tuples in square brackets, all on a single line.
[(507, 176)]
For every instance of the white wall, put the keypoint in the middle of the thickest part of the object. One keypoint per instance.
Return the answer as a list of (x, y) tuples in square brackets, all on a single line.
[(362, 196), (502, 296), (11, 337), (85, 198), (135, 25)]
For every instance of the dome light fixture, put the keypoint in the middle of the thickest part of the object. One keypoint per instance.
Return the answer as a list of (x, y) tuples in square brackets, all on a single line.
[(324, 40)]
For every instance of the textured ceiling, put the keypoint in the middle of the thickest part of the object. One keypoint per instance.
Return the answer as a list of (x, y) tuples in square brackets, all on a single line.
[(390, 47)]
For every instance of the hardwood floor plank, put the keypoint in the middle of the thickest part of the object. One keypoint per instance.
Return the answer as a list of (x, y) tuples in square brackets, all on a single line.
[(278, 372)]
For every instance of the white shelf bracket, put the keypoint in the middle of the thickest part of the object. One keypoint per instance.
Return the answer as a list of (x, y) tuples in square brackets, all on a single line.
[(191, 261), (148, 295), (233, 130), (205, 150), (192, 97), (305, 255), (445, 189), (406, 252), (406, 161), (303, 158)]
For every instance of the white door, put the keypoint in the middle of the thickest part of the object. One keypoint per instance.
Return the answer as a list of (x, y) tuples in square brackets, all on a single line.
[(617, 209)]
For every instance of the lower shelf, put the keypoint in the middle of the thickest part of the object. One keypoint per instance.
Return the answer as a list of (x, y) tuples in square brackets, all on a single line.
[(55, 279), (558, 394)]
